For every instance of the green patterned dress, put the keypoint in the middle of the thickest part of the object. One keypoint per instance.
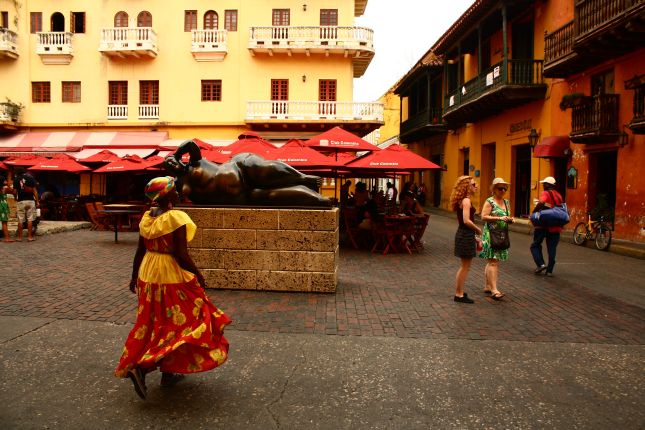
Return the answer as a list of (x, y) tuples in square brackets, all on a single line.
[(4, 207), (487, 251)]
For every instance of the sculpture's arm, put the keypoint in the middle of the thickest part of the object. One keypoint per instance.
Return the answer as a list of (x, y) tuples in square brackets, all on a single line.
[(189, 147), (173, 162)]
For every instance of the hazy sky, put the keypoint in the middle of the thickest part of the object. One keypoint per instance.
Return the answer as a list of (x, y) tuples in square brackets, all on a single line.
[(403, 31)]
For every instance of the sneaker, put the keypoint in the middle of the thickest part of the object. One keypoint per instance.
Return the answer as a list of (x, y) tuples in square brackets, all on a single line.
[(464, 299), (548, 274), (540, 269)]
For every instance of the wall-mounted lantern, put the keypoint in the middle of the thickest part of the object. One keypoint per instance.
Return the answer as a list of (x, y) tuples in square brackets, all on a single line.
[(534, 137)]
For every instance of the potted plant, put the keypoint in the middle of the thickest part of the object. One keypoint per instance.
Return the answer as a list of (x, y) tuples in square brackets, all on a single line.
[(571, 100), (13, 109)]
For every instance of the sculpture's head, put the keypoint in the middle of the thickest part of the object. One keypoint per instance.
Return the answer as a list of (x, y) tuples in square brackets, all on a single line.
[(175, 167)]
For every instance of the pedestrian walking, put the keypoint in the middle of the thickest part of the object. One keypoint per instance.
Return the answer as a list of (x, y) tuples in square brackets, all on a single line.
[(465, 237), (4, 208), (177, 329), (495, 213), (549, 198), (26, 194)]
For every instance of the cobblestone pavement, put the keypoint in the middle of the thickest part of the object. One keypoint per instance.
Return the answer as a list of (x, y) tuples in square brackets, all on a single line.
[(595, 297)]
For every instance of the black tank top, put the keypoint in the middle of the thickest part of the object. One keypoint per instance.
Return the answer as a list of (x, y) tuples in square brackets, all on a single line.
[(460, 215)]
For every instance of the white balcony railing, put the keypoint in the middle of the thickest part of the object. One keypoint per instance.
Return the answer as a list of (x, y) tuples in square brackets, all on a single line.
[(209, 45), (323, 37), (148, 111), (354, 42), (8, 44), (129, 41), (55, 47), (313, 111), (117, 111)]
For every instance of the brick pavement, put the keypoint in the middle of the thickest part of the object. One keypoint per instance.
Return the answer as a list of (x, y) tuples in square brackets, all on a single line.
[(83, 275)]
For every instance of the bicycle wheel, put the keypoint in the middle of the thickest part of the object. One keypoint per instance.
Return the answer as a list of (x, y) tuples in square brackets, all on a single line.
[(603, 238), (580, 234)]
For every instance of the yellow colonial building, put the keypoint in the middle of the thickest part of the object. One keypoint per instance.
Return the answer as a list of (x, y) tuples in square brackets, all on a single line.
[(187, 69)]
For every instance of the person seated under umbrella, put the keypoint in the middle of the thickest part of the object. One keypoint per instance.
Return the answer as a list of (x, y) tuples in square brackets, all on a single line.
[(246, 179)]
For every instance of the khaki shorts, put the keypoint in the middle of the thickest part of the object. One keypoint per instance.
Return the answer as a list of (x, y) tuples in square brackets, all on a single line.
[(26, 210)]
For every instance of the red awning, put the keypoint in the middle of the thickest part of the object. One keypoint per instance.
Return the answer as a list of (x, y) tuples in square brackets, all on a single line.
[(552, 147), (62, 141)]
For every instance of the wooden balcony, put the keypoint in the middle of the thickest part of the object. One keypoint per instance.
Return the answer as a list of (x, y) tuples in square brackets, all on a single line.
[(209, 45), (601, 30), (424, 124), (55, 47), (356, 43), (313, 115), (8, 44), (503, 86), (125, 42), (596, 119)]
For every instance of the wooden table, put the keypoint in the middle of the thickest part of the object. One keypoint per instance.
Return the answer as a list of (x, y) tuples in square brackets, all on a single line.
[(116, 216)]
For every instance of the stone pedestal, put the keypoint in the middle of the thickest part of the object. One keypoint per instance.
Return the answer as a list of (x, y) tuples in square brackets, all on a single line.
[(266, 249)]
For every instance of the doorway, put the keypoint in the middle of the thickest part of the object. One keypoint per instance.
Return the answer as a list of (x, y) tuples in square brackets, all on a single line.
[(602, 184), (487, 172), (58, 22), (521, 183), (436, 180), (560, 175)]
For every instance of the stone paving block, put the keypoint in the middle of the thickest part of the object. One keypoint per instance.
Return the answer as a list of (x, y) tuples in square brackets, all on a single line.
[(204, 217), (309, 220), (297, 240), (283, 281), (235, 279), (250, 219), (229, 239)]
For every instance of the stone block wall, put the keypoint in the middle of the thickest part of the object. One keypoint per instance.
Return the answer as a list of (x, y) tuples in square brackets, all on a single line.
[(266, 249)]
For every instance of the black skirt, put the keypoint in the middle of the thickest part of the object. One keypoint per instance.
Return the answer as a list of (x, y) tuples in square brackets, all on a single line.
[(465, 243)]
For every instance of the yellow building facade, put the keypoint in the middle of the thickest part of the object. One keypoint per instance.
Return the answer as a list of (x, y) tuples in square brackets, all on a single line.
[(191, 69)]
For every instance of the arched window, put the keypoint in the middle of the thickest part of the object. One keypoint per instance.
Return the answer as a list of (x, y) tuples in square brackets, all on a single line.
[(57, 22), (210, 20), (121, 19), (144, 19)]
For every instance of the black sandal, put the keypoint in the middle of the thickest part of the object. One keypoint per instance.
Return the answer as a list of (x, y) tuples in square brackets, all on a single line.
[(139, 381)]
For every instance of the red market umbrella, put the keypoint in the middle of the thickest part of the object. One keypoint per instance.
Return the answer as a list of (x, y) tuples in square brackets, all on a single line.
[(296, 154), (60, 164), (215, 155), (105, 156), (394, 158), (337, 139), (254, 145), (130, 163), (25, 160), (3, 166)]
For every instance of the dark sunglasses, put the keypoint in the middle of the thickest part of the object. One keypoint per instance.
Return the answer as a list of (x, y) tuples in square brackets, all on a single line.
[(502, 188), (474, 185)]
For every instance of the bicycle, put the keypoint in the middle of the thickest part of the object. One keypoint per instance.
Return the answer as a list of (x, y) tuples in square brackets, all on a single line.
[(598, 230)]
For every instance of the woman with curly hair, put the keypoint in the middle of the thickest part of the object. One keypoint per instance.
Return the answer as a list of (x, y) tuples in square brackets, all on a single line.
[(465, 238)]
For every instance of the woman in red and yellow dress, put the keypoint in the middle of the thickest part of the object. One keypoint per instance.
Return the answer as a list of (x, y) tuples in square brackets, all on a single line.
[(177, 329)]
